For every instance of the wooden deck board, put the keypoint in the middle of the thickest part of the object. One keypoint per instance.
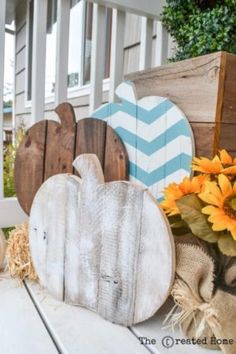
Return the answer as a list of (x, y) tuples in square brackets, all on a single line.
[(21, 329), (77, 330)]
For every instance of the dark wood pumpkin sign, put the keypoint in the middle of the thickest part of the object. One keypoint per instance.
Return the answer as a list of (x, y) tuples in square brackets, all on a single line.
[(50, 148), (105, 246)]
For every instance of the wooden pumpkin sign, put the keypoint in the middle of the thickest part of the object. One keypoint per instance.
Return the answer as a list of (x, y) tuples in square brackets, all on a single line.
[(105, 246), (50, 147), (156, 134)]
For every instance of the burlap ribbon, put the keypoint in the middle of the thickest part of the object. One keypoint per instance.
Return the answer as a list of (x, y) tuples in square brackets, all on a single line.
[(202, 308)]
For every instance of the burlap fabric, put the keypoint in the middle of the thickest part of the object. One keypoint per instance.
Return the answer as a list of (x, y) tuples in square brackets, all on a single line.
[(205, 309)]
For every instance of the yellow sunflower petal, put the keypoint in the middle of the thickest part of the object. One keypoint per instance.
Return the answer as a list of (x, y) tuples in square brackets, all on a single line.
[(225, 185), (225, 157), (229, 170), (210, 209)]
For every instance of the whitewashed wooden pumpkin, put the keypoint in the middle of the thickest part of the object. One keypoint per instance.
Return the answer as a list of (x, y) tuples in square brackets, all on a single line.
[(105, 246), (2, 248)]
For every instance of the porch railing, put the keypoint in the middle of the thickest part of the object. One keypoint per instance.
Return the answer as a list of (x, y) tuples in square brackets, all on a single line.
[(10, 212)]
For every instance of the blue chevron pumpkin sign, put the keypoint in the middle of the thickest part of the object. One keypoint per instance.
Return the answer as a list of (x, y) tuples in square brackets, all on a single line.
[(157, 136)]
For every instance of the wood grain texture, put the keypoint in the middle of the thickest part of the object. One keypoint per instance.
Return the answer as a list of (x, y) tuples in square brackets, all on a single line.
[(50, 147), (60, 142), (204, 88), (29, 165), (113, 249)]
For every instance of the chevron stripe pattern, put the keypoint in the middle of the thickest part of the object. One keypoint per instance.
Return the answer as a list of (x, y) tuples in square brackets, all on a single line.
[(157, 136)]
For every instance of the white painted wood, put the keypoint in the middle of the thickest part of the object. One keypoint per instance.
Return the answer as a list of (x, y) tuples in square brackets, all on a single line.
[(49, 227), (97, 56), (63, 22), (161, 45), (105, 246), (78, 330), (117, 52), (149, 8), (154, 328), (2, 53), (38, 61), (22, 331), (11, 213), (145, 60)]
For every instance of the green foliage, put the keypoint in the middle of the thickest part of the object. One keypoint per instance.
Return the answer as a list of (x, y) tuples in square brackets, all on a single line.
[(201, 27), (190, 207), (8, 165)]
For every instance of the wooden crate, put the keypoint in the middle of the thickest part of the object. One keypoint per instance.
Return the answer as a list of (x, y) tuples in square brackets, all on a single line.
[(205, 89)]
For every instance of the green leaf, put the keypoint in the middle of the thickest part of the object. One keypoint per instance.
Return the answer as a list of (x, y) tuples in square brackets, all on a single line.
[(227, 245), (190, 208)]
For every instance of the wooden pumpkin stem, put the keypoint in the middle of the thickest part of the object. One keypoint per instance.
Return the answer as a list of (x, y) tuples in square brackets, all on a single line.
[(66, 114), (89, 168)]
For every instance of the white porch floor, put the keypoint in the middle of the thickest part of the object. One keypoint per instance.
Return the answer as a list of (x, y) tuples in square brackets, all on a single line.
[(31, 321)]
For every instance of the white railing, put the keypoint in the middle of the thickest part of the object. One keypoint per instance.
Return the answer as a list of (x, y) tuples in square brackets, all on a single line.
[(10, 212)]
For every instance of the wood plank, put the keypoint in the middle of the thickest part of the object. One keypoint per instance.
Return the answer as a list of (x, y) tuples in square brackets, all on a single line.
[(229, 102), (97, 56), (148, 8), (29, 165), (117, 51), (90, 334), (91, 138), (60, 142), (94, 244), (22, 330), (145, 60), (39, 59), (155, 329), (2, 54), (63, 22), (50, 148), (116, 158), (11, 213), (174, 80)]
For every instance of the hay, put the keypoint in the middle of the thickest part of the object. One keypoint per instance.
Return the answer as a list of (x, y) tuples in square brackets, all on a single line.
[(19, 261)]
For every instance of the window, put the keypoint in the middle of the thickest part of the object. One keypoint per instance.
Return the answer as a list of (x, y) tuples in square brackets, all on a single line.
[(80, 44)]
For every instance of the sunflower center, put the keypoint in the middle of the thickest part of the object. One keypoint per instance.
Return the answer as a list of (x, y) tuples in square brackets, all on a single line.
[(230, 206)]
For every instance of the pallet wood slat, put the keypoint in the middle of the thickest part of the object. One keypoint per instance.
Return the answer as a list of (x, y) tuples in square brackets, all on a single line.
[(204, 88), (50, 147), (107, 247)]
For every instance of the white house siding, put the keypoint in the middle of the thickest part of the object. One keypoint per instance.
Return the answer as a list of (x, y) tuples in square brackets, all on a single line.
[(131, 64)]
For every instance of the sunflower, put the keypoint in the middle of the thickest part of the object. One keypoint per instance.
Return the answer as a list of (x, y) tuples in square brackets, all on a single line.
[(176, 191), (221, 208), (224, 163)]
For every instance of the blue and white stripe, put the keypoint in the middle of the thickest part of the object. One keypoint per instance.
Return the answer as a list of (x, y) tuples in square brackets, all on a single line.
[(157, 136)]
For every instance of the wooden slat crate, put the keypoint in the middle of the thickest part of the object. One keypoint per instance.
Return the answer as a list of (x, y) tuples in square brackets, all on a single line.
[(205, 89)]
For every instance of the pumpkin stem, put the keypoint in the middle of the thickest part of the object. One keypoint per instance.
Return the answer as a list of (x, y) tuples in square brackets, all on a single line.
[(66, 113), (89, 168)]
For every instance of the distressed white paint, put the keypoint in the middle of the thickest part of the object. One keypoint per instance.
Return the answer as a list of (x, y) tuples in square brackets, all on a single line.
[(63, 21), (149, 8), (38, 60), (97, 55), (105, 246), (22, 330), (11, 213), (117, 51), (145, 59), (162, 45), (2, 51)]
